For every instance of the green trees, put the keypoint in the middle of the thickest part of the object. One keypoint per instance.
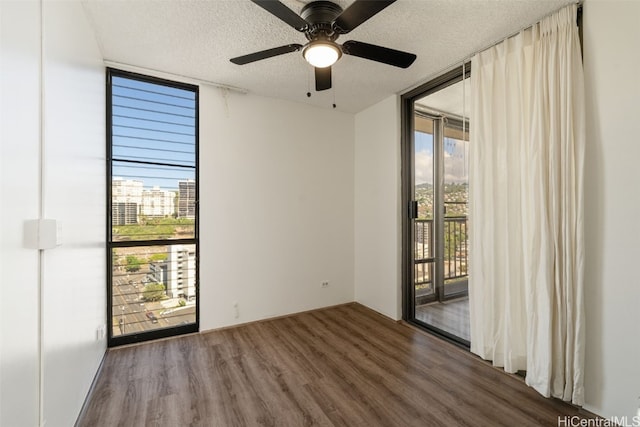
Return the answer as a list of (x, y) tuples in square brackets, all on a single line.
[(455, 243), (155, 228), (153, 292), (162, 256), (133, 263)]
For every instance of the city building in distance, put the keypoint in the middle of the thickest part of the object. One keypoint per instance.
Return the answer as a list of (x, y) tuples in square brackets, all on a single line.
[(187, 199)]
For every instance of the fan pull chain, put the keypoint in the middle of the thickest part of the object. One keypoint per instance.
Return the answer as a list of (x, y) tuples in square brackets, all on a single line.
[(333, 91), (309, 84)]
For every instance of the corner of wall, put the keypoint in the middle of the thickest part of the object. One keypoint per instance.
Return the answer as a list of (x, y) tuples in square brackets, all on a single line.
[(377, 208)]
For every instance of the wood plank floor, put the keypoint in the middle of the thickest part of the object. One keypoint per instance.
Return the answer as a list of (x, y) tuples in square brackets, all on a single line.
[(341, 366)]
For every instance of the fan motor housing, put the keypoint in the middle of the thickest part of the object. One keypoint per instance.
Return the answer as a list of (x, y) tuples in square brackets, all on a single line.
[(320, 15)]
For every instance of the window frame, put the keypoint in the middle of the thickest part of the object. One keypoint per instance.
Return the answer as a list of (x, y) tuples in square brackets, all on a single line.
[(114, 341)]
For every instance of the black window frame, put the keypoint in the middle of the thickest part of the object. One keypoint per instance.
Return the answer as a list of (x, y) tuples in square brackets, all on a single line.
[(407, 114), (114, 341)]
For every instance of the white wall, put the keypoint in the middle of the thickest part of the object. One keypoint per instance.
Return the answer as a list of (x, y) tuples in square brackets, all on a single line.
[(377, 208), (74, 291), (612, 206), (19, 50), (73, 137), (276, 207)]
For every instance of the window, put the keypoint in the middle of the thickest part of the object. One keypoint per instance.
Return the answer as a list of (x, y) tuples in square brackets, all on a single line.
[(152, 232)]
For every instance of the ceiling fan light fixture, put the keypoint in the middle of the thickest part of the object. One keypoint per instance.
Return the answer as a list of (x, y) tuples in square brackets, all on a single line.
[(322, 53)]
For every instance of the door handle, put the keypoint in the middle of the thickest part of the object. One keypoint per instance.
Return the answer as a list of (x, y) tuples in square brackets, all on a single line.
[(413, 209)]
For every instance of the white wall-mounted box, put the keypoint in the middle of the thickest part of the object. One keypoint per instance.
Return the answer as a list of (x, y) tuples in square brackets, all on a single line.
[(42, 234)]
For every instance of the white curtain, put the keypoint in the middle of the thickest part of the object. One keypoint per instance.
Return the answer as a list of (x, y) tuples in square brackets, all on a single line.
[(526, 206)]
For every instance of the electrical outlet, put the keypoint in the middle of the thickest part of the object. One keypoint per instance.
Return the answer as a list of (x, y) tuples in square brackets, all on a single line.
[(325, 284), (236, 310)]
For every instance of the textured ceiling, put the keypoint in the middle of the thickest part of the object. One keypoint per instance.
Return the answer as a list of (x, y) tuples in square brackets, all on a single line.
[(196, 38)]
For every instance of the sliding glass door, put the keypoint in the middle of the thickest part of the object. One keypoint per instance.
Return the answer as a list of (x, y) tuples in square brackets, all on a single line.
[(435, 190)]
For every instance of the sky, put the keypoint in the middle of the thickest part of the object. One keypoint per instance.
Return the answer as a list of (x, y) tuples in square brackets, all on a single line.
[(456, 158), (153, 123)]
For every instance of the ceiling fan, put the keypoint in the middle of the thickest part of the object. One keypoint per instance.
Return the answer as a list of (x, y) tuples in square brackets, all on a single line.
[(322, 22)]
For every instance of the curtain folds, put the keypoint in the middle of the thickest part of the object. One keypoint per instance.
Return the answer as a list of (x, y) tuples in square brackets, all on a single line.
[(526, 206)]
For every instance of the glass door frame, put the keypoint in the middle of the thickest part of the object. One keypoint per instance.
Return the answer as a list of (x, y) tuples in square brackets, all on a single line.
[(408, 111)]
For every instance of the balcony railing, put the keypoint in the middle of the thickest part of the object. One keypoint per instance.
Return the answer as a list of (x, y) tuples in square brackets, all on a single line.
[(456, 250)]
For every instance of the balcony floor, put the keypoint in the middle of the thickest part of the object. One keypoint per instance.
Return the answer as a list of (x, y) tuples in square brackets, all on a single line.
[(450, 316)]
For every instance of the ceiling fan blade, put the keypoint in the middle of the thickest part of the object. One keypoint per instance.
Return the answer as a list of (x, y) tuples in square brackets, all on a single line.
[(264, 54), (279, 10), (378, 53), (323, 78), (357, 13)]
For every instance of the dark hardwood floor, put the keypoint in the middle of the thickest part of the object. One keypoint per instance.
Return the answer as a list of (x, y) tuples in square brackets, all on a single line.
[(340, 366)]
